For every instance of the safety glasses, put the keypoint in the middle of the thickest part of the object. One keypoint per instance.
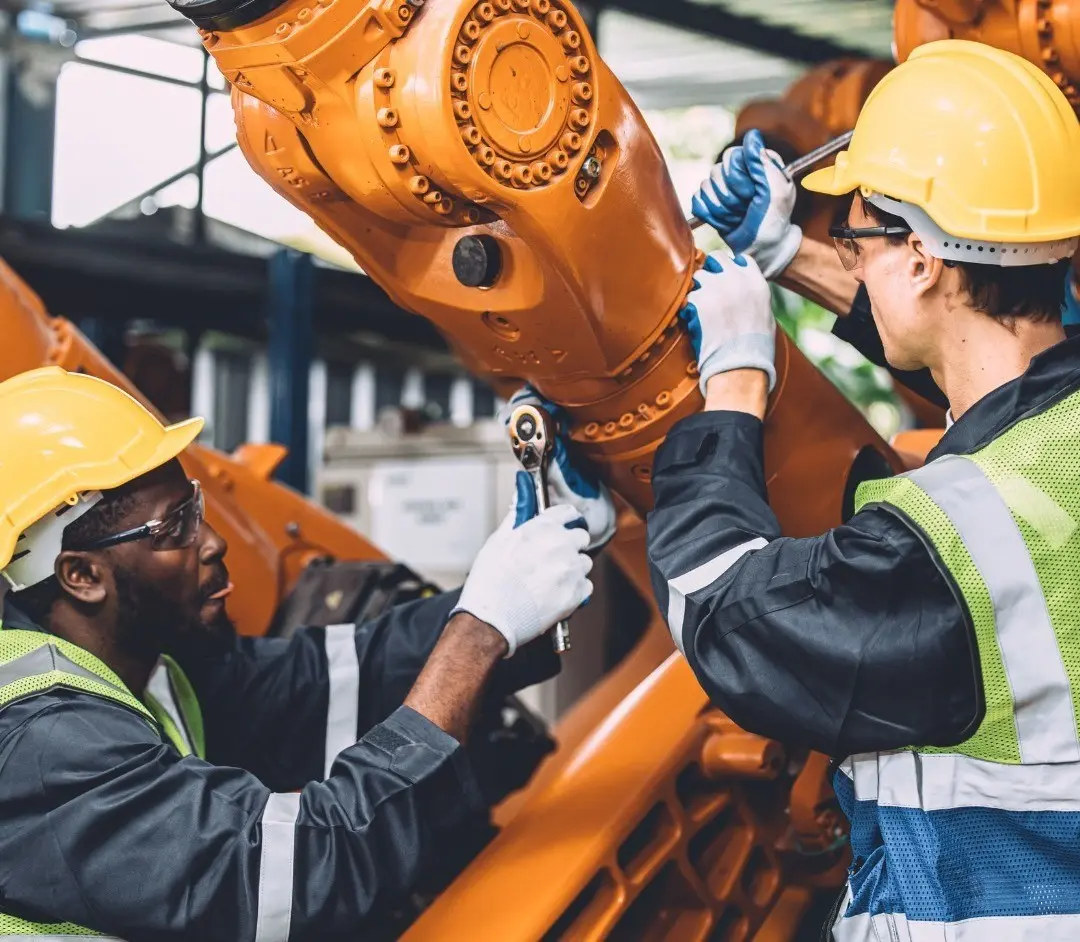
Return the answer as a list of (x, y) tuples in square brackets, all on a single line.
[(846, 240), (177, 530)]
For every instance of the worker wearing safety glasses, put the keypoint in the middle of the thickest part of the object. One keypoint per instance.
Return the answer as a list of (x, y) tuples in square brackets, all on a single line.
[(161, 778), (932, 642)]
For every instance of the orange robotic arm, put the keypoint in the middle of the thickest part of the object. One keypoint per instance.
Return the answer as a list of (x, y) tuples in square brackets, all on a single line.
[(1045, 32), (484, 166)]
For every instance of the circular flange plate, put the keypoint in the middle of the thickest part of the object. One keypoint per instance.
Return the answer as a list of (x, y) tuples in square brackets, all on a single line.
[(518, 100)]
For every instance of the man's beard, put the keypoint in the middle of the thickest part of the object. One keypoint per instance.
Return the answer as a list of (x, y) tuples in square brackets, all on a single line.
[(149, 624)]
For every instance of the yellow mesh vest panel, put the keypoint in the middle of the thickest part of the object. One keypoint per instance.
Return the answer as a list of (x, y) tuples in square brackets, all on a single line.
[(996, 738), (14, 645), (1034, 468), (11, 925)]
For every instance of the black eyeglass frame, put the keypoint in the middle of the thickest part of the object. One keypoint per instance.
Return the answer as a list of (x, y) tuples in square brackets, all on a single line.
[(840, 234), (154, 528), (867, 232)]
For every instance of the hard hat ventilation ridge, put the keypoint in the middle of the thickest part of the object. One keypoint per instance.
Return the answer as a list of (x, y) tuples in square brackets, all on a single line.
[(950, 248)]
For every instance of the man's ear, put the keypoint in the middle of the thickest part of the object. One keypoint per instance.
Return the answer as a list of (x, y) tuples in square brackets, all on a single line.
[(923, 268), (81, 576)]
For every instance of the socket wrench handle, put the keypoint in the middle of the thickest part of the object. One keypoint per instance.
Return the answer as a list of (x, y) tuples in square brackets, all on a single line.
[(532, 438)]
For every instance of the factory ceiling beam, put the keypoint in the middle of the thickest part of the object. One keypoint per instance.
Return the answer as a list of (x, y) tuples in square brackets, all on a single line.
[(122, 29), (124, 278), (749, 32)]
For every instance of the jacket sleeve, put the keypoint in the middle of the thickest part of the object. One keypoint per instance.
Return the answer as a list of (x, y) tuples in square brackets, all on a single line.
[(859, 330), (103, 825), (850, 642), (284, 709)]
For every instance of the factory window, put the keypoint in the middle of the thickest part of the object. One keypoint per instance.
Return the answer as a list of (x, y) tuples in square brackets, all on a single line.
[(437, 395), (117, 136), (389, 383), (232, 384), (339, 383), (483, 401)]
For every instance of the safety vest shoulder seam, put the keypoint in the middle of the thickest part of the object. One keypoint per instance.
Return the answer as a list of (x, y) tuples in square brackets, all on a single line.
[(78, 691)]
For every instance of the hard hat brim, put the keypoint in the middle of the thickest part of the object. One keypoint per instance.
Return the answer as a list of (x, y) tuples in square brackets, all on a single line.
[(828, 181), (177, 437)]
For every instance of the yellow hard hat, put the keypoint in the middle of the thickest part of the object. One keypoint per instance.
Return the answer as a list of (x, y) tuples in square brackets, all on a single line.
[(66, 435), (980, 140)]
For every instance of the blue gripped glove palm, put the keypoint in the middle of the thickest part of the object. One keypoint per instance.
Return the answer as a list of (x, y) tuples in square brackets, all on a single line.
[(748, 200), (729, 318), (568, 483)]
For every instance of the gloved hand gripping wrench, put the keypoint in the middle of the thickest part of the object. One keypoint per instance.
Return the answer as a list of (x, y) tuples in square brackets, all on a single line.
[(532, 438), (800, 164)]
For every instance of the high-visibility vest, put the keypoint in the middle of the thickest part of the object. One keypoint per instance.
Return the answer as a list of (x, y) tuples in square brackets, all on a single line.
[(981, 841), (32, 662)]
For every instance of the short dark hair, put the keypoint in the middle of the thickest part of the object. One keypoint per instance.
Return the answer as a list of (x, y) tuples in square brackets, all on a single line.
[(1035, 292), (36, 601)]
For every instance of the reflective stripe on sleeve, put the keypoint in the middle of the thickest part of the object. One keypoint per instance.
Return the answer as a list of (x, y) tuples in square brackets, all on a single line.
[(276, 868), (706, 574), (343, 709)]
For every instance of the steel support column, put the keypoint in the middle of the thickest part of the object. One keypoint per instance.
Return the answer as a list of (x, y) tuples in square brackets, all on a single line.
[(29, 136), (290, 310), (107, 336)]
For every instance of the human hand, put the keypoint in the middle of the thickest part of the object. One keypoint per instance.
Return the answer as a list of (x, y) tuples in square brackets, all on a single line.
[(729, 318), (527, 578), (568, 482), (748, 200)]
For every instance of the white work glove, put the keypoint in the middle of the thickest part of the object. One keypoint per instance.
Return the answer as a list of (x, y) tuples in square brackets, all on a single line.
[(527, 578), (748, 200), (729, 318), (568, 482)]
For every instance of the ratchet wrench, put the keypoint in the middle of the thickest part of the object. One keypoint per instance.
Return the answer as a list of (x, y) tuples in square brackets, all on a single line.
[(532, 438)]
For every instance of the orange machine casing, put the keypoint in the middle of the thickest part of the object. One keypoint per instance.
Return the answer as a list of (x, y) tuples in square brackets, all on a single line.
[(402, 133), (1045, 32)]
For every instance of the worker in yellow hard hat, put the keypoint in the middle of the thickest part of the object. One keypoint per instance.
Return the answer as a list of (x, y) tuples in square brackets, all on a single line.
[(325, 799), (932, 642)]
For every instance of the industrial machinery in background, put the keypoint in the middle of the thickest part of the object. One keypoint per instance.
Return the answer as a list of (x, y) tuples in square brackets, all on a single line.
[(1045, 32), (485, 167)]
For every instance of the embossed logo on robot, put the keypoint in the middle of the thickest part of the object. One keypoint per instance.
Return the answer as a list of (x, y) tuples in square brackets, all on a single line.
[(521, 86)]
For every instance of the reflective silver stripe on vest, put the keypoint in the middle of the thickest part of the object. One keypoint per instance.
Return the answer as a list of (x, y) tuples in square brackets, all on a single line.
[(276, 868), (42, 660), (343, 708), (160, 688), (1045, 722), (705, 574), (896, 927), (943, 781)]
